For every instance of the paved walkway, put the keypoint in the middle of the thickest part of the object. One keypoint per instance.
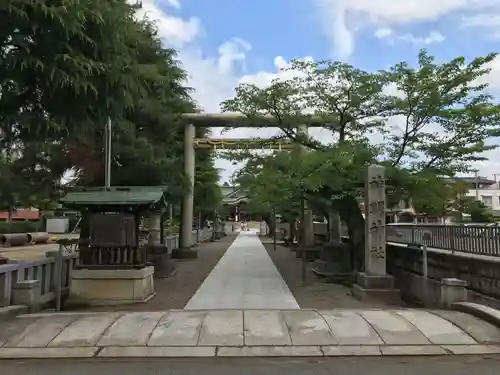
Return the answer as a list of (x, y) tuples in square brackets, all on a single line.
[(244, 278), (257, 333)]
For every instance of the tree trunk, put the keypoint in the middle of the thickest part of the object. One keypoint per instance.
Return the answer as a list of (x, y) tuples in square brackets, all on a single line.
[(333, 226), (292, 234), (269, 220), (350, 213)]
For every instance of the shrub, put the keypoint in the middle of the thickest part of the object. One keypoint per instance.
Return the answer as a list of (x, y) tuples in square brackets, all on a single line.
[(19, 227)]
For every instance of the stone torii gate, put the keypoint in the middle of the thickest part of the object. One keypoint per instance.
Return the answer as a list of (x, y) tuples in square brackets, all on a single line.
[(234, 120)]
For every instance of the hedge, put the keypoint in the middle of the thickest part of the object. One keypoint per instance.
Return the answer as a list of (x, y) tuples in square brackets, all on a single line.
[(19, 227)]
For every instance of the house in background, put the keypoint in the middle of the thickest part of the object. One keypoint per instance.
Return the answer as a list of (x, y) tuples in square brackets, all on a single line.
[(22, 214)]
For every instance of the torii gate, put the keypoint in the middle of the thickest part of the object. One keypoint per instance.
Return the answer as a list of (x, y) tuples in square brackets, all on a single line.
[(234, 120)]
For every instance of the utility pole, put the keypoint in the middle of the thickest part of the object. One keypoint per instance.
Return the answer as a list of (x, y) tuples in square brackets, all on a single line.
[(107, 156), (476, 172)]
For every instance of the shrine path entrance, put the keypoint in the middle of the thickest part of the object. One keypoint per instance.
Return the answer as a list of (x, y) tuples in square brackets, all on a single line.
[(244, 278)]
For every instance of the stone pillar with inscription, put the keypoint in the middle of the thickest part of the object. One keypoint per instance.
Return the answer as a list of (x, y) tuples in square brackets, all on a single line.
[(374, 283)]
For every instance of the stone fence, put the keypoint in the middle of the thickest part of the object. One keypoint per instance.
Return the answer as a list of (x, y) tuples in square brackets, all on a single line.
[(197, 236), (481, 274), (33, 283), (405, 262)]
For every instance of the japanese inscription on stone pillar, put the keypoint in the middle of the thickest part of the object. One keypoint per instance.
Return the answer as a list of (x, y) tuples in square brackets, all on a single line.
[(375, 204)]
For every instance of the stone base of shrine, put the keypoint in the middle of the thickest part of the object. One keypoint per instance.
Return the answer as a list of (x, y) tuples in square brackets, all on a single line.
[(111, 287), (375, 289)]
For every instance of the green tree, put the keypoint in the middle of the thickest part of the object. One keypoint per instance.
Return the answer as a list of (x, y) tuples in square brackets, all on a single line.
[(447, 118), (82, 62)]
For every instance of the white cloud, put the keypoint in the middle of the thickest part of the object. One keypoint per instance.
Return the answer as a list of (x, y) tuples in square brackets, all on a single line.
[(343, 18), (433, 37), (383, 32), (173, 3), (214, 77)]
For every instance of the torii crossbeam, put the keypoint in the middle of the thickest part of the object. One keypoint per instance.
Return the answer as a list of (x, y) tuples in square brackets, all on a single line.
[(227, 120)]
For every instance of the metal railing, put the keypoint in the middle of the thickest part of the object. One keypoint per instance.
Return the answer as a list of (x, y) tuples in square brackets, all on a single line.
[(479, 240)]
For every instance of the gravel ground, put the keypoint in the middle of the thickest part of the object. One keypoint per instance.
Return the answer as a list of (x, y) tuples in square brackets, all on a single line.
[(174, 292), (315, 293)]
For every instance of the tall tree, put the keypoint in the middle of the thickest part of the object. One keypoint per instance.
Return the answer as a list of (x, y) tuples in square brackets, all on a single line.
[(448, 117)]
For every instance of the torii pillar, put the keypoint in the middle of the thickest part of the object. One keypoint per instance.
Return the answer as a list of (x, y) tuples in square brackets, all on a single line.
[(188, 200)]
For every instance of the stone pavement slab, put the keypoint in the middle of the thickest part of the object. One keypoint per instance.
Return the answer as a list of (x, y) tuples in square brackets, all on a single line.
[(480, 330), (437, 330), (85, 331), (349, 328), (222, 328), (158, 352), (131, 329), (244, 278), (178, 328), (394, 329), (266, 328), (307, 327), (257, 333), (40, 332), (12, 328)]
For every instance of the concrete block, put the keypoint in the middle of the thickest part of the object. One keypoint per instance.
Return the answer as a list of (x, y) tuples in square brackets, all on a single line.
[(103, 287), (452, 291), (487, 313), (270, 351), (473, 349), (374, 282), (412, 350), (387, 296), (376, 288), (28, 293), (351, 350), (28, 353), (158, 352)]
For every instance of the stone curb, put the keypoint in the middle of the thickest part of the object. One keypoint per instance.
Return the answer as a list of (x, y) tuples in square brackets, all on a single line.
[(483, 312), (246, 351), (12, 311)]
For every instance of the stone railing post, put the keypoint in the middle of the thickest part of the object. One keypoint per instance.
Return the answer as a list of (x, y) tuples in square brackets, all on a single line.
[(453, 290), (28, 293)]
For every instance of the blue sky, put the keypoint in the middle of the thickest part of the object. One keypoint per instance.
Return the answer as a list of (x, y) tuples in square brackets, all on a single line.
[(224, 42)]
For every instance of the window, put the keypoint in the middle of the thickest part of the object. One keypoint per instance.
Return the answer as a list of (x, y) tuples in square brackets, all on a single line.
[(487, 200)]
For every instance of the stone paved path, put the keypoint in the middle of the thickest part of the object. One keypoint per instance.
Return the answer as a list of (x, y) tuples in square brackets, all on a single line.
[(245, 278), (183, 333)]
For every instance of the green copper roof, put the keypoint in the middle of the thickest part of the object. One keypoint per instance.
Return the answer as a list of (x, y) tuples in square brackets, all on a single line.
[(116, 196)]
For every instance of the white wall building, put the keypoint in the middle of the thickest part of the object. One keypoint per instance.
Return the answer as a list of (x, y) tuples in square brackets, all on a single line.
[(488, 192)]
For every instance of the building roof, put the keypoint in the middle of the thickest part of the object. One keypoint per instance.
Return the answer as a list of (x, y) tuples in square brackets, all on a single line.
[(116, 196), (21, 214), (472, 180)]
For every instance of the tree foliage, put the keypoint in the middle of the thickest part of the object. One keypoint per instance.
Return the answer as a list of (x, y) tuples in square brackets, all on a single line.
[(68, 65), (422, 123)]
